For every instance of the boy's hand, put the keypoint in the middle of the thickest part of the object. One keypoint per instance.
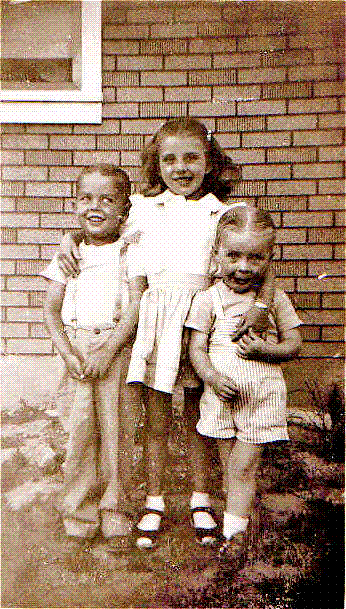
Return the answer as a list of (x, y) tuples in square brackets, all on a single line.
[(69, 256), (99, 359), (255, 318), (75, 366), (224, 387), (252, 346)]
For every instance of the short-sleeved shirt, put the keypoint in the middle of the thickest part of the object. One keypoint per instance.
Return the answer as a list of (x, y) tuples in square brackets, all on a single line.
[(94, 297), (282, 315), (175, 234)]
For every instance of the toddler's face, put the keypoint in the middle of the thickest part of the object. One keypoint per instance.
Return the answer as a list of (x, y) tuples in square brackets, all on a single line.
[(183, 163), (100, 206), (243, 258)]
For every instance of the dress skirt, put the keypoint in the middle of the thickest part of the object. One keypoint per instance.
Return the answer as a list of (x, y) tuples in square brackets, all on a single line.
[(157, 351)]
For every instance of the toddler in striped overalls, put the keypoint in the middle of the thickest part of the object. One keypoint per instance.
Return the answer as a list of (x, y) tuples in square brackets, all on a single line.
[(244, 401)]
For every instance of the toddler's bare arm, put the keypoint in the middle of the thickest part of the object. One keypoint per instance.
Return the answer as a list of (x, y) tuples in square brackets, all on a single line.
[(257, 316), (223, 386)]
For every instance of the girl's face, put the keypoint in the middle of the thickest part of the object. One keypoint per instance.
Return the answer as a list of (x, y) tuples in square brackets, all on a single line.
[(243, 258), (183, 163), (100, 206)]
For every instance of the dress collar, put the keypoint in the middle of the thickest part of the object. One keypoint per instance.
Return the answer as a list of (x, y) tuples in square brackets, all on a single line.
[(207, 201)]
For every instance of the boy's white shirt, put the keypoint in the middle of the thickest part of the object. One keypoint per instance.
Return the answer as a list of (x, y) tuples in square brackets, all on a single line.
[(176, 234), (92, 298)]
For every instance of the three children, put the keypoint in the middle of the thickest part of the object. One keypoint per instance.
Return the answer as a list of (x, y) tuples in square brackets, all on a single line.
[(185, 179)]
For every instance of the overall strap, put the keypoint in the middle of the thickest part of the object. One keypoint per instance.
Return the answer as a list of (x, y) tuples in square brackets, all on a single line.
[(217, 302)]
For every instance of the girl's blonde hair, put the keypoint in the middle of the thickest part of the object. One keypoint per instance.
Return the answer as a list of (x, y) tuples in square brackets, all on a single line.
[(246, 218), (219, 180)]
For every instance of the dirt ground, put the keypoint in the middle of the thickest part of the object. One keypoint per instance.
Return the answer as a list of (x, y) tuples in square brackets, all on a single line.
[(294, 548)]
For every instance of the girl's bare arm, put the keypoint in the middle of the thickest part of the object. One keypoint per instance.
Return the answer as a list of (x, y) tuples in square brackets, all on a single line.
[(103, 352), (68, 256), (254, 347), (222, 385)]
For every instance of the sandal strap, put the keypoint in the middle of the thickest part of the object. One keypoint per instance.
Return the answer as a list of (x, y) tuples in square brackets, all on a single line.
[(146, 511), (208, 510)]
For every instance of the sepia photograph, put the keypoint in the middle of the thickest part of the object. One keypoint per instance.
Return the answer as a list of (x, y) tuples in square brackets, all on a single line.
[(167, 167)]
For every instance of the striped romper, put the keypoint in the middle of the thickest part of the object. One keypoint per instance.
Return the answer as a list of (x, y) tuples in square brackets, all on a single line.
[(258, 414)]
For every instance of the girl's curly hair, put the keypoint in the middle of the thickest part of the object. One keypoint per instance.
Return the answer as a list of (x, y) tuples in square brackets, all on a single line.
[(219, 181)]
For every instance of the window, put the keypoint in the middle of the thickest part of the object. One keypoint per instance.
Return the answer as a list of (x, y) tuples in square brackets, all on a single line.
[(51, 61)]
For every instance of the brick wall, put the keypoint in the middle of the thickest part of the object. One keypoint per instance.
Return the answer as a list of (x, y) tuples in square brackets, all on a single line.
[(266, 77)]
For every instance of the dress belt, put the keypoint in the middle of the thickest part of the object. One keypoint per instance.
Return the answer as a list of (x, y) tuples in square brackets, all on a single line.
[(95, 329)]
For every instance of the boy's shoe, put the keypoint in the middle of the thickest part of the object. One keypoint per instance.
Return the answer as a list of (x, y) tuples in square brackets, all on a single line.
[(146, 539), (205, 537), (232, 551)]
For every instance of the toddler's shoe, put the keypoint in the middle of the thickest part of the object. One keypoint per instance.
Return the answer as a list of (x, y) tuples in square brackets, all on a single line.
[(205, 536), (147, 539)]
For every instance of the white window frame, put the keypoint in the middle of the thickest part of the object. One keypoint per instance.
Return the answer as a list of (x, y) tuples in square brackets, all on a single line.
[(82, 105)]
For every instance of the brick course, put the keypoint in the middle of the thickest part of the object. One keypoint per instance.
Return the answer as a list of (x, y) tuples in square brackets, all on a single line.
[(270, 89)]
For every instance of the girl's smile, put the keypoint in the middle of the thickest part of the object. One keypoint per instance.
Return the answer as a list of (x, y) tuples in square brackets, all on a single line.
[(243, 258), (183, 163)]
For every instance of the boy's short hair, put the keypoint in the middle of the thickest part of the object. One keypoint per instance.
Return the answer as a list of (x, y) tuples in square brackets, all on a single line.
[(246, 218), (106, 170)]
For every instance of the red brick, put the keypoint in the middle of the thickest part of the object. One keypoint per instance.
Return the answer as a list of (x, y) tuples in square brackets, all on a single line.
[(108, 64), (288, 235), (305, 106), (212, 45), (333, 334), (225, 76), (304, 121), (308, 219), (12, 128), (292, 187), (120, 47), (187, 62), (190, 94), (8, 203), (286, 58), (197, 11), (291, 155), (48, 157), (241, 123), (331, 187), (266, 172), (308, 251), (45, 129), (108, 94), (31, 205), (330, 267), (120, 79), (286, 283), (308, 41), (339, 218), (326, 235), (29, 267), (12, 157), (246, 155), (59, 221), (213, 108), (29, 346), (339, 252), (261, 43), (120, 110), (13, 330), (321, 349), (282, 203), (133, 173), (318, 170), (178, 30), (135, 32), (163, 78), (325, 89), (14, 299), (228, 140), (20, 251), (261, 75), (64, 174), (322, 72), (8, 267), (289, 268), (8, 235), (119, 142), (250, 188), (326, 202), (239, 93), (331, 153), (24, 314), (286, 90), (12, 189), (331, 120), (331, 55), (72, 142), (319, 318), (261, 107), (159, 109), (333, 301), (24, 142), (15, 219), (139, 94), (333, 284), (317, 138), (38, 330), (237, 60), (27, 235), (163, 47), (130, 158), (150, 14), (220, 29), (95, 157), (262, 140), (310, 333), (307, 301), (143, 127), (26, 283), (47, 189), (140, 62)]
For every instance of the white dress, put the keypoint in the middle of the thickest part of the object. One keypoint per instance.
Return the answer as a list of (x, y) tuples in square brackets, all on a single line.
[(174, 251)]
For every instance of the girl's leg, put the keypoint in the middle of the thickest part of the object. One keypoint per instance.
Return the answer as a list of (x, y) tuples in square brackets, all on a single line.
[(158, 415), (198, 448), (242, 466)]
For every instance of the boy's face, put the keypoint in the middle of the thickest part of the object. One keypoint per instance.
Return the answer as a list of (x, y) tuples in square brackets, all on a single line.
[(100, 206), (183, 163), (243, 258)]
